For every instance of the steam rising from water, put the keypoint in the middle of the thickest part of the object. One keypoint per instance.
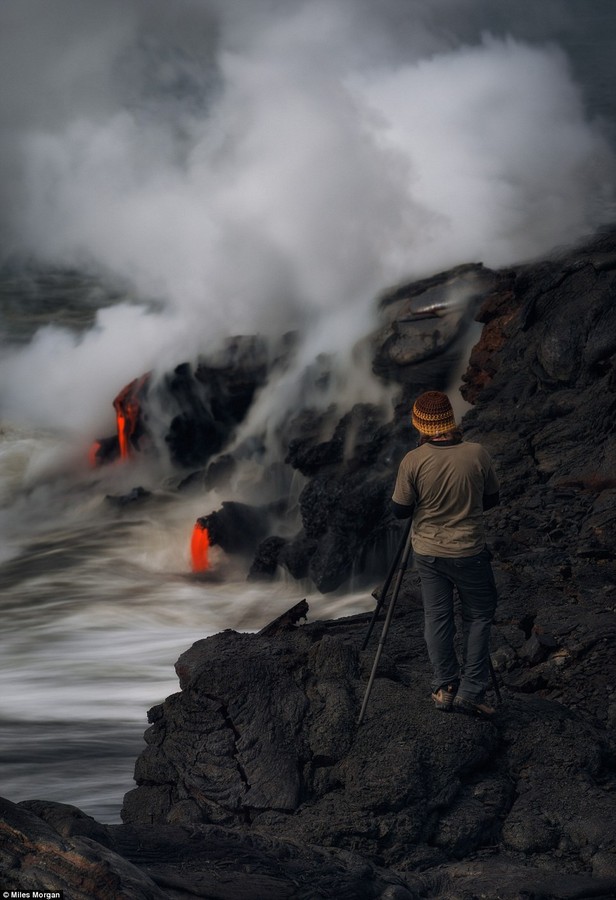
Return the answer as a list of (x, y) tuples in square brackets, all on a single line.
[(271, 166)]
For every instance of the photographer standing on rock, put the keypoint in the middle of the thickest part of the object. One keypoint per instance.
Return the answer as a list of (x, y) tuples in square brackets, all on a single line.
[(445, 484)]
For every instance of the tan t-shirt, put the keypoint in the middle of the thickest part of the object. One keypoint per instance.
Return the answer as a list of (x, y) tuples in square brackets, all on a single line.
[(446, 484)]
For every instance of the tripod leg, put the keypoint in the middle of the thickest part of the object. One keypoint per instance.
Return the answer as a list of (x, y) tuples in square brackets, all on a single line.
[(387, 623), (387, 582)]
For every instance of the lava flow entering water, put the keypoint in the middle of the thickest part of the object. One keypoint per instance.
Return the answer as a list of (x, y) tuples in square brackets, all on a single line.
[(128, 410), (199, 547), (129, 424)]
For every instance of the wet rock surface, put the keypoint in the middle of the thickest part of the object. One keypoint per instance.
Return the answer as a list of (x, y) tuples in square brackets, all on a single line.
[(256, 781)]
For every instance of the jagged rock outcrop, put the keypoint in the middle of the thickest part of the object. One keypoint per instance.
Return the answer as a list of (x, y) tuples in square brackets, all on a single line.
[(263, 737), (199, 404), (424, 324), (68, 852), (206, 402)]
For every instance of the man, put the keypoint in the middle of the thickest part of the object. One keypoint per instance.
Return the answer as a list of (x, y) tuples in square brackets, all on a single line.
[(445, 484)]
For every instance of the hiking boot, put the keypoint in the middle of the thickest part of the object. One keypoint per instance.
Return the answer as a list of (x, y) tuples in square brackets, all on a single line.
[(443, 698), (473, 707)]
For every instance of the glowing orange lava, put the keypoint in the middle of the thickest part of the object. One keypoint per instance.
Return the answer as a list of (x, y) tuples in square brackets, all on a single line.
[(127, 408), (199, 547)]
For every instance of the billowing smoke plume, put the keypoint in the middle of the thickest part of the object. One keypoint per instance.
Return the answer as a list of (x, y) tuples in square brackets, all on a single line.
[(265, 166)]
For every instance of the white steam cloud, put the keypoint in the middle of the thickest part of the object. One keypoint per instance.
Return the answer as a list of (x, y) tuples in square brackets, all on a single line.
[(266, 166)]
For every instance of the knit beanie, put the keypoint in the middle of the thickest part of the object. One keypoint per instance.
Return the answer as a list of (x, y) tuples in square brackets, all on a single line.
[(432, 413)]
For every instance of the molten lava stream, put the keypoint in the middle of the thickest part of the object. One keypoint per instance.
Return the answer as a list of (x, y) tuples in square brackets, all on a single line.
[(199, 547), (128, 415), (123, 435)]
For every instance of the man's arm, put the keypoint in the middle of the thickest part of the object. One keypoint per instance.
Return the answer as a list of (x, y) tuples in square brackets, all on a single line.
[(401, 511), (491, 500)]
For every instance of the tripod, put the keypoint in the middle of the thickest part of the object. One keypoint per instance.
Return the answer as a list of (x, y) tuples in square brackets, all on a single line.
[(402, 556), (400, 562)]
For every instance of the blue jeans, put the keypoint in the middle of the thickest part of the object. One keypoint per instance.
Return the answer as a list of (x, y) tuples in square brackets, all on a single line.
[(473, 578)]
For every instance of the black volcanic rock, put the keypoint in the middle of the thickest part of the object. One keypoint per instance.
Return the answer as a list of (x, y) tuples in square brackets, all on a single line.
[(350, 459), (239, 527), (275, 746), (209, 401), (426, 320), (61, 855), (344, 506), (199, 405), (53, 849)]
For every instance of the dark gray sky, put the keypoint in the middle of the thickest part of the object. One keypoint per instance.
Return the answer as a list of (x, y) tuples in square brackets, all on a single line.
[(66, 60)]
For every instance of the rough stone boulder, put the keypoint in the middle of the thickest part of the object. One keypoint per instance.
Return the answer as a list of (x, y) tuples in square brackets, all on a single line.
[(239, 527), (50, 847), (62, 856), (181, 862), (263, 738), (205, 403), (427, 321), (542, 376)]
